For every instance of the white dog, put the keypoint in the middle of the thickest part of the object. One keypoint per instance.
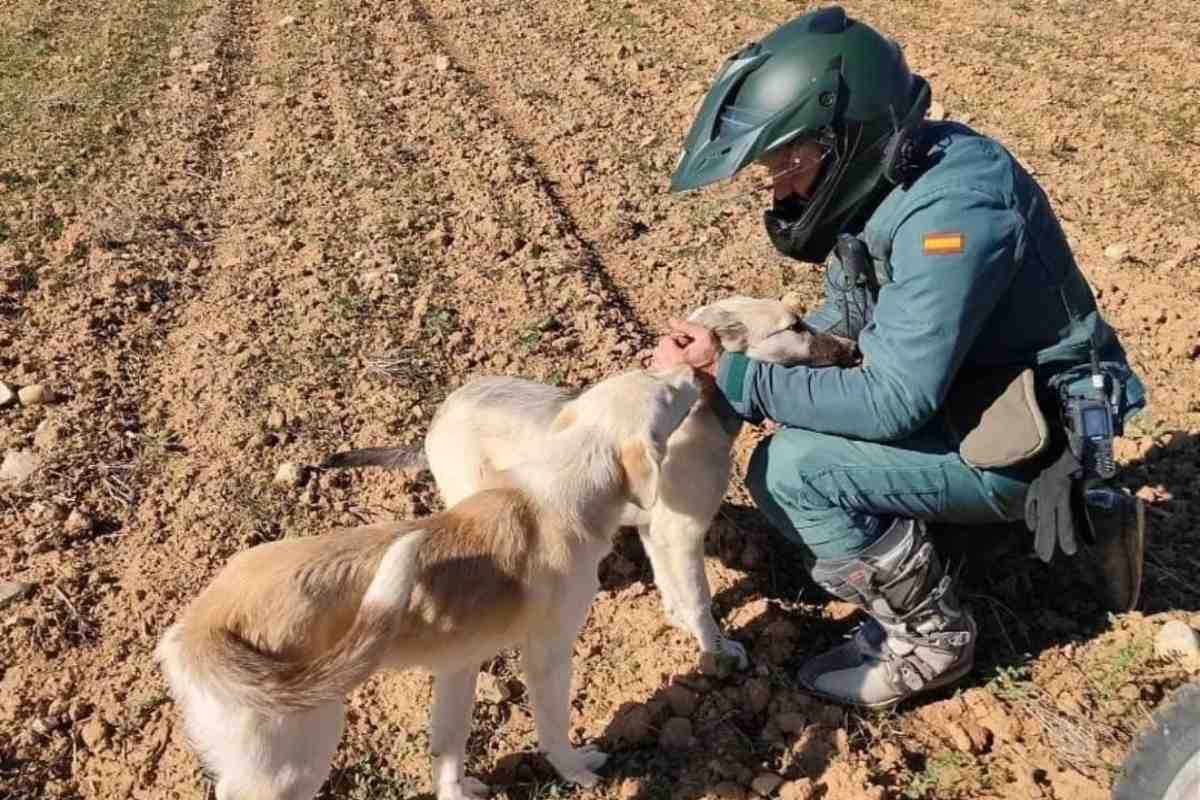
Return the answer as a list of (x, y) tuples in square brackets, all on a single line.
[(493, 422), (262, 660)]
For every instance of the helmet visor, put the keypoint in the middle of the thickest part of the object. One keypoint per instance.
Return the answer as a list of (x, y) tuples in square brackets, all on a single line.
[(793, 169)]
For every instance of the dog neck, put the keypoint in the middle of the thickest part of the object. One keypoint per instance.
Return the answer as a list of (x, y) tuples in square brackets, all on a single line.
[(579, 482), (730, 424)]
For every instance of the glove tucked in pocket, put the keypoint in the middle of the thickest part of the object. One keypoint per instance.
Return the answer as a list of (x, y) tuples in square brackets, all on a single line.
[(996, 418)]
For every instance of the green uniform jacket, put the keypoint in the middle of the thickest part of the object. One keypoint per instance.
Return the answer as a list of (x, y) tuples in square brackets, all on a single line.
[(975, 274)]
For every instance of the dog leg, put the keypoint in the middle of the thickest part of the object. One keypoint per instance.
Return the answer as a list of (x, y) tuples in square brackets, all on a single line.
[(546, 661), (679, 542), (664, 578), (453, 699), (275, 758)]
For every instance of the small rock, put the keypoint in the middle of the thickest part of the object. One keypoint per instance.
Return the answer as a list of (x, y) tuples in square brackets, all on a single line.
[(1116, 252), (682, 700), (44, 726), (49, 512), (1177, 639), (79, 522), (958, 736), (565, 344), (676, 734), (175, 53), (17, 465), (766, 783), (632, 725), (286, 22), (36, 395), (276, 420), (7, 396), (93, 733), (802, 789), (290, 474), (758, 695), (455, 340), (441, 63), (492, 689), (937, 111), (201, 68), (11, 591)]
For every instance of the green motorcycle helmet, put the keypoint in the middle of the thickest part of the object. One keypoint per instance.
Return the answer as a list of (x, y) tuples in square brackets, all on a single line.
[(822, 77)]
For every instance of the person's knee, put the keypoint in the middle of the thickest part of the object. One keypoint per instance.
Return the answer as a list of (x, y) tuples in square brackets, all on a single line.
[(777, 467), (783, 480)]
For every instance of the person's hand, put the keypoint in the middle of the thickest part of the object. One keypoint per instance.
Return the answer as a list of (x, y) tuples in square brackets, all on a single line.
[(691, 344)]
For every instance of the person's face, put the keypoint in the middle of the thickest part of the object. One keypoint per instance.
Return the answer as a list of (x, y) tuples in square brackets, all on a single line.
[(793, 170)]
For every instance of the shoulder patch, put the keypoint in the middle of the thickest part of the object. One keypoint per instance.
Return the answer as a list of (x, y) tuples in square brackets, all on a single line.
[(943, 243)]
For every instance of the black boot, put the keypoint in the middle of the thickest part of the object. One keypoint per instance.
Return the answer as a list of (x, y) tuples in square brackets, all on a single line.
[(918, 638)]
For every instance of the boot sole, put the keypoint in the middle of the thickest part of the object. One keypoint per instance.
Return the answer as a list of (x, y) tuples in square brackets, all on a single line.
[(940, 682)]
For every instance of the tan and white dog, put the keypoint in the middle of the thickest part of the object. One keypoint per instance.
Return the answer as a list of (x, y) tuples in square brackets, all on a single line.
[(261, 661), (491, 423)]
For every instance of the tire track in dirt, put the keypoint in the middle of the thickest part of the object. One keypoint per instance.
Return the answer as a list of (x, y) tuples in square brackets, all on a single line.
[(134, 255), (165, 549), (592, 261)]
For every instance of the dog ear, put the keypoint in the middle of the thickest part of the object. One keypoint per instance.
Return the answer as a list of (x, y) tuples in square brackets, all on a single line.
[(729, 330), (640, 461)]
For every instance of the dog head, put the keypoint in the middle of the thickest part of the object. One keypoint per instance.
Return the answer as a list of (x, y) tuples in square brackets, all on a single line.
[(636, 412), (771, 330)]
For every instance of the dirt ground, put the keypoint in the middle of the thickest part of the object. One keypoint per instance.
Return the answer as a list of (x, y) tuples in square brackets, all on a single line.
[(241, 233)]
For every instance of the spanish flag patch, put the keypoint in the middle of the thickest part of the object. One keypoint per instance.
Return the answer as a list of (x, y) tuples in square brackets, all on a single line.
[(944, 243)]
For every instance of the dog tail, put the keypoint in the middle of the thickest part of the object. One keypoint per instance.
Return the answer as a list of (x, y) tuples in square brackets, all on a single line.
[(406, 458), (215, 664)]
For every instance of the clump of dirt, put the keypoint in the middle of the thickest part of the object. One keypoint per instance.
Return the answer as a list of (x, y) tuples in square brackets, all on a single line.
[(241, 235)]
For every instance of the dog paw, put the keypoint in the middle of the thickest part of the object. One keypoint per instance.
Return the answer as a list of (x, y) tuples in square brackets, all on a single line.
[(734, 650), (577, 765), (464, 789)]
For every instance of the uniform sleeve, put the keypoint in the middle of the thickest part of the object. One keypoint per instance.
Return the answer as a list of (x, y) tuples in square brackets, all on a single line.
[(953, 256)]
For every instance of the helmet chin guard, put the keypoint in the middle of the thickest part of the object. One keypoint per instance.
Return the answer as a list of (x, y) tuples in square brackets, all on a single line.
[(821, 77)]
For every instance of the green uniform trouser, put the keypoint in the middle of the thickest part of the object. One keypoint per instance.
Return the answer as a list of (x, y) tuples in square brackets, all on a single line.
[(836, 496)]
